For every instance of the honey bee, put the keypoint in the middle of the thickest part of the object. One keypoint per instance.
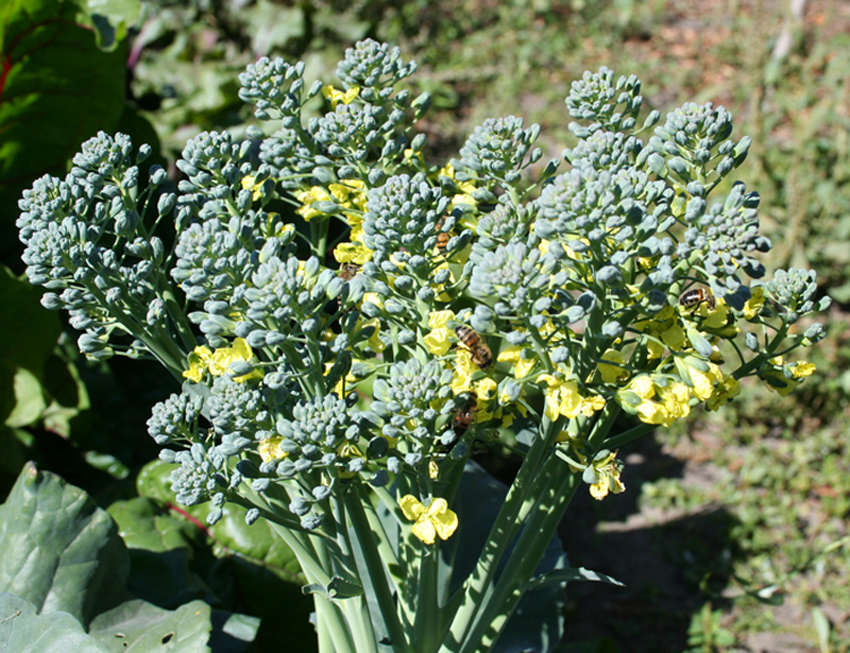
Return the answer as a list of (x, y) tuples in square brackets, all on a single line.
[(348, 271), (443, 237), (481, 354), (696, 296), (465, 415)]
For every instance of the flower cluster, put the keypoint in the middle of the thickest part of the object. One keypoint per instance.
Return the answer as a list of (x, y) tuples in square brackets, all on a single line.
[(597, 97), (428, 304), (497, 149)]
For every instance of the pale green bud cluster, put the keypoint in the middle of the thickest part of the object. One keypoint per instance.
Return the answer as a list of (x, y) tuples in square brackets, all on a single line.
[(349, 343)]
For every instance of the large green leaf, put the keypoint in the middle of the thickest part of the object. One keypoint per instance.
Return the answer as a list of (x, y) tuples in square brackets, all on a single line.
[(63, 556), (257, 541), (251, 562), (60, 551), (57, 90), (23, 630), (110, 19), (30, 334), (162, 549), (140, 626)]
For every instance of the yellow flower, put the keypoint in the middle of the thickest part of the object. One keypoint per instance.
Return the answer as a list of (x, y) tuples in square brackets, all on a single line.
[(665, 326), (676, 397), (223, 358), (592, 404), (513, 354), (467, 187), (373, 298), (438, 339), (269, 449), (375, 342), (352, 253), (718, 321), (562, 397), (754, 304), (802, 369), (250, 182), (723, 392), (350, 194), (608, 471), (217, 362), (435, 520), (198, 361), (307, 198), (654, 403), (335, 96), (485, 389), (463, 371), (613, 373), (781, 384), (704, 382)]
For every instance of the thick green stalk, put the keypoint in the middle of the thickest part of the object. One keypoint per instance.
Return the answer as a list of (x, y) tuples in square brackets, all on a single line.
[(319, 238), (426, 635), (177, 315), (372, 572), (356, 611), (332, 628), (501, 534), (537, 533)]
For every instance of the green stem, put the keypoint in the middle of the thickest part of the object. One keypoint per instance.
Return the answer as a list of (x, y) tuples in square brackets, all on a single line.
[(177, 315), (319, 238), (388, 554), (605, 423), (746, 369), (632, 434), (539, 345), (332, 628), (356, 611), (536, 535), (426, 634), (501, 534), (374, 576)]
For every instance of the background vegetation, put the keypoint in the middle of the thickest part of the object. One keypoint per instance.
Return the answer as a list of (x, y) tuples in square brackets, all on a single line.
[(733, 534)]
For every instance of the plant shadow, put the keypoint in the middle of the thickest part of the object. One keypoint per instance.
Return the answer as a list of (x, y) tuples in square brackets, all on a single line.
[(671, 563)]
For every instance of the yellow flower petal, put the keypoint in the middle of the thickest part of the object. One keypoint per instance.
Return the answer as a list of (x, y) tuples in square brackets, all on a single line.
[(613, 373), (754, 304), (269, 449), (444, 520), (411, 507), (436, 520), (802, 369), (424, 529), (462, 373), (352, 253), (509, 354), (438, 341), (485, 389), (438, 319)]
